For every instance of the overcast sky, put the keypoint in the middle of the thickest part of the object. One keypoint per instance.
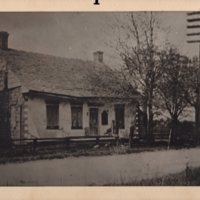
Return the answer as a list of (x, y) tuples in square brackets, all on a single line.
[(79, 34)]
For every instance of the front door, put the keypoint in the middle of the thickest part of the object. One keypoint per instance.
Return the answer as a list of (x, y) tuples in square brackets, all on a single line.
[(93, 121)]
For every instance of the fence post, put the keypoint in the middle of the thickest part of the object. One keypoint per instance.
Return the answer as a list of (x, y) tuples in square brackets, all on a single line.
[(169, 139), (117, 140), (34, 145), (67, 142), (97, 140)]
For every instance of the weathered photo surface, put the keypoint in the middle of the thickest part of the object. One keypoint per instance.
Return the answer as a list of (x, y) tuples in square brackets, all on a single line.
[(100, 99)]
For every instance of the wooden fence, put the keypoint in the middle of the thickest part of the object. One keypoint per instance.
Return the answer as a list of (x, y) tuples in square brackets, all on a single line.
[(36, 142), (39, 142)]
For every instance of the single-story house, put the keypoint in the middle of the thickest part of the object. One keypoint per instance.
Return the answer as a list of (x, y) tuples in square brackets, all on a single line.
[(54, 97)]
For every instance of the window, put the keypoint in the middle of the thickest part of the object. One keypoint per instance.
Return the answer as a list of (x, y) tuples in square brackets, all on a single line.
[(76, 113), (119, 115), (52, 109), (104, 118)]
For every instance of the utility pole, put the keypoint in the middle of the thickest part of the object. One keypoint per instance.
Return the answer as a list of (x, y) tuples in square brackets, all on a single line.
[(194, 37)]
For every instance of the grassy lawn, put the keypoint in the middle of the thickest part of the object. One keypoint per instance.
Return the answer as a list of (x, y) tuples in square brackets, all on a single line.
[(144, 166), (26, 153), (56, 152), (189, 178)]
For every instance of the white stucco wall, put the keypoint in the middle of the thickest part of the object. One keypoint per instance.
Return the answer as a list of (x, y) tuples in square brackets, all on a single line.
[(111, 116), (37, 119), (129, 114)]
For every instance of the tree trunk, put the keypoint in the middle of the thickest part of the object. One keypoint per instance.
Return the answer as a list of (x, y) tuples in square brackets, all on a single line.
[(174, 126), (150, 118), (145, 114)]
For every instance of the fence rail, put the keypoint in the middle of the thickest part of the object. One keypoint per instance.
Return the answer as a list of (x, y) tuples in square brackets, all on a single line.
[(76, 139), (164, 136), (36, 142)]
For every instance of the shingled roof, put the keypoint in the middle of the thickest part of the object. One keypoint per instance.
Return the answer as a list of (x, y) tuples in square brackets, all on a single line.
[(72, 77)]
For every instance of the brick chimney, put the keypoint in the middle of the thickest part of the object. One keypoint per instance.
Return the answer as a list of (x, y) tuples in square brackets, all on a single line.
[(98, 56), (4, 40)]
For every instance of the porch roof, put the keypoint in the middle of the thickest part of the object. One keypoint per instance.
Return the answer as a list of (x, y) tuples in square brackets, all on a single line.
[(90, 100)]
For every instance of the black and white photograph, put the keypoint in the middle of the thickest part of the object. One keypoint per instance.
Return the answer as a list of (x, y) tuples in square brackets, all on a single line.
[(100, 98)]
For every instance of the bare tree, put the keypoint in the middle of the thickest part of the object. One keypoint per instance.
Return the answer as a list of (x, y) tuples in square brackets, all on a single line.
[(142, 59), (193, 93), (172, 87)]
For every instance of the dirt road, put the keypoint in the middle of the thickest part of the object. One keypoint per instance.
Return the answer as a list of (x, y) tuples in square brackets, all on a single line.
[(100, 170)]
